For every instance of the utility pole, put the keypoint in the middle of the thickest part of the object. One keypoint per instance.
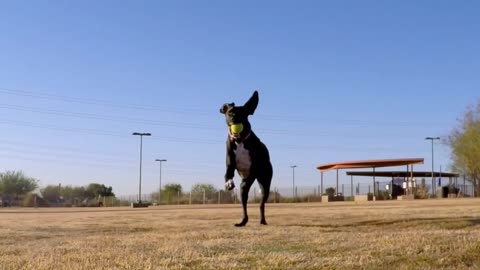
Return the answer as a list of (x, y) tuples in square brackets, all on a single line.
[(140, 178), (293, 180), (433, 176), (160, 184)]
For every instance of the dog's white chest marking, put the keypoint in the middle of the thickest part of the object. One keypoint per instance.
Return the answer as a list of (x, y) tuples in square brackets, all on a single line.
[(243, 160)]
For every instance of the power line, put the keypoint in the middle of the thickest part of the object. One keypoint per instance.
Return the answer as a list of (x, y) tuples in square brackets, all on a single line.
[(162, 138), (161, 123), (75, 155), (102, 117), (77, 163), (89, 101), (100, 164), (64, 156), (20, 147), (59, 128), (283, 118), (22, 144)]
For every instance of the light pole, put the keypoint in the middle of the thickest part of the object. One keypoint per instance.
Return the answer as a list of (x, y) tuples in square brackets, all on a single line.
[(293, 180), (140, 181), (433, 176), (160, 186)]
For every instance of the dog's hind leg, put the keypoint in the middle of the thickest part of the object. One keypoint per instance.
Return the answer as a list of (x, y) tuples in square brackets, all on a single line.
[(244, 189), (264, 184)]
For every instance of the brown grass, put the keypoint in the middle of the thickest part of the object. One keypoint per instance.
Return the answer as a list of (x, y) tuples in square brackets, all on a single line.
[(435, 234)]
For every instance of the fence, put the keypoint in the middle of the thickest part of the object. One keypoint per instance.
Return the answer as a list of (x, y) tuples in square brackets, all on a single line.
[(277, 195), (383, 190)]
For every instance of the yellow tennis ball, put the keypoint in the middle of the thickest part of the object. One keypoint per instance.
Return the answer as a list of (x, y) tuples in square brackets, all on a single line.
[(236, 128)]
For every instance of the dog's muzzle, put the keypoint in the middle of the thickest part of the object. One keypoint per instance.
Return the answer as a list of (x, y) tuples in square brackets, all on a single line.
[(229, 185)]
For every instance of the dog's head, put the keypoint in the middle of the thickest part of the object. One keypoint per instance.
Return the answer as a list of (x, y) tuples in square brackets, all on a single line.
[(237, 116)]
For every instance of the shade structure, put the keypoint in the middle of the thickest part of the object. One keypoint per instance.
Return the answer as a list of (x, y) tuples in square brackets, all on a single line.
[(358, 164)]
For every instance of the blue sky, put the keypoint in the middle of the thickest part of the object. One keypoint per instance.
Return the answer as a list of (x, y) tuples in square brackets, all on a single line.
[(338, 80)]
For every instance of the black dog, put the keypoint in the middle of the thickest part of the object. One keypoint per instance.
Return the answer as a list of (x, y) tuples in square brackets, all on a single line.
[(247, 154)]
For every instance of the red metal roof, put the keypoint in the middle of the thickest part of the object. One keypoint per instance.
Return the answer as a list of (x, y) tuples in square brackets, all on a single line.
[(402, 174), (369, 164)]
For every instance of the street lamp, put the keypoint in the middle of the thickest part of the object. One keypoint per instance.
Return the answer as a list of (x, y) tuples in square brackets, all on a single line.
[(160, 186), (293, 180), (433, 177), (140, 181)]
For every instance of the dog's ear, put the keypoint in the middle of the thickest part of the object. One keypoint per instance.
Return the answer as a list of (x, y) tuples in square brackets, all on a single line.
[(251, 104), (226, 106)]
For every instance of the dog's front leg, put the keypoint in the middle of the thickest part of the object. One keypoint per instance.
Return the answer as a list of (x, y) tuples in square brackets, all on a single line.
[(231, 165)]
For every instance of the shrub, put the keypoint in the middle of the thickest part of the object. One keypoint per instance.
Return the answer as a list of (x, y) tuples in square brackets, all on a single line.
[(382, 195), (28, 201)]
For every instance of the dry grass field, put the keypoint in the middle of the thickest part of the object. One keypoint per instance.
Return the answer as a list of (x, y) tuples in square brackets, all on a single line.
[(435, 234)]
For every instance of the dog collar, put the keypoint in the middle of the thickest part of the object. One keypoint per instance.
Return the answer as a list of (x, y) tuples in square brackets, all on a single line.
[(240, 139)]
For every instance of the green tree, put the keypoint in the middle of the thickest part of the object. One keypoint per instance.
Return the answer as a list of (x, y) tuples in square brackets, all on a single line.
[(78, 193), (51, 193), (72, 195), (200, 188), (92, 190), (330, 191), (210, 193), (67, 193), (170, 193), (464, 142), (16, 183), (95, 190), (172, 189), (106, 192)]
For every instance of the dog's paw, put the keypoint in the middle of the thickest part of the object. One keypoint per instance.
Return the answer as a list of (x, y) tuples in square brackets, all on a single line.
[(243, 223), (229, 185)]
